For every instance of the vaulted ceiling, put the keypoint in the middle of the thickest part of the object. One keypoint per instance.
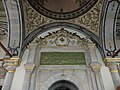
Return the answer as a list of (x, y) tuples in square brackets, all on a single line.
[(62, 9), (27, 18)]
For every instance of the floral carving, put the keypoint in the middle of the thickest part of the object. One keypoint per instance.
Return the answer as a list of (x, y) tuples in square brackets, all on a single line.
[(62, 38), (33, 19), (90, 20)]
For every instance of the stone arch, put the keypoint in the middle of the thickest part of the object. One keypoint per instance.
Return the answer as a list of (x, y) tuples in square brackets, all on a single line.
[(63, 76), (52, 38), (63, 84), (108, 31), (13, 9), (48, 27)]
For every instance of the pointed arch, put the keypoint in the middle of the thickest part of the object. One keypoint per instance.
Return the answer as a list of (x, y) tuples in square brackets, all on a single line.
[(50, 26)]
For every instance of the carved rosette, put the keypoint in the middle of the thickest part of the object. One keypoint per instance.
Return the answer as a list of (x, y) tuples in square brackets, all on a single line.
[(62, 38), (90, 20)]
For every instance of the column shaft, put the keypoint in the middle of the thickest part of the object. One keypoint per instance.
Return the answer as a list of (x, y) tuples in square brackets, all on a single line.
[(96, 69), (114, 73), (11, 65), (27, 79), (33, 81), (99, 82), (8, 81), (29, 67)]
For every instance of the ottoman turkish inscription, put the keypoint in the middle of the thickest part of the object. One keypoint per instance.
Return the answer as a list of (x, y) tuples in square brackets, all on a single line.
[(62, 58)]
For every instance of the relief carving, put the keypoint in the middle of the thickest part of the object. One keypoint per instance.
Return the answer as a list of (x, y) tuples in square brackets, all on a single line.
[(89, 20), (62, 38), (33, 18)]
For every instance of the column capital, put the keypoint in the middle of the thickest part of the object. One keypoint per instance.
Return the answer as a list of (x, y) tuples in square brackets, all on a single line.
[(91, 46), (29, 66), (32, 45), (11, 64), (112, 66), (112, 63), (106, 60), (96, 67)]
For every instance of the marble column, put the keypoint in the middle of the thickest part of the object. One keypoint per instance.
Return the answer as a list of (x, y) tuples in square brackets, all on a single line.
[(33, 81), (96, 69), (28, 71), (92, 52), (10, 65), (114, 73), (95, 65), (29, 66)]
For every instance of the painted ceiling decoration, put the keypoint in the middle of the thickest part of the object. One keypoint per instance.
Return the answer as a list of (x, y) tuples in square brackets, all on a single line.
[(90, 20), (118, 26), (62, 9)]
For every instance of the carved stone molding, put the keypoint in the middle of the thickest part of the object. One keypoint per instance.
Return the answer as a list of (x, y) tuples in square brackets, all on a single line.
[(62, 38)]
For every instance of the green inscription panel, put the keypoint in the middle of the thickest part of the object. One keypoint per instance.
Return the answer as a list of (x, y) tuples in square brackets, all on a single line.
[(62, 58)]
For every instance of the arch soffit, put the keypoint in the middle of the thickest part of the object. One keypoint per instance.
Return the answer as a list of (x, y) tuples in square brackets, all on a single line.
[(108, 36), (14, 14)]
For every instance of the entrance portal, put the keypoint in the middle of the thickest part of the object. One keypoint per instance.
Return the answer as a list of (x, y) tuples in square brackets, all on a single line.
[(63, 85)]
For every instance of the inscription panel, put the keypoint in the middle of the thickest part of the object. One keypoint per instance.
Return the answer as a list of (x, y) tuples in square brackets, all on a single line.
[(62, 58)]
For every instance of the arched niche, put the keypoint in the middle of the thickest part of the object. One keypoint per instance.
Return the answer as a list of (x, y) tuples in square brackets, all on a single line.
[(74, 82), (51, 50), (63, 41), (42, 73), (63, 85)]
